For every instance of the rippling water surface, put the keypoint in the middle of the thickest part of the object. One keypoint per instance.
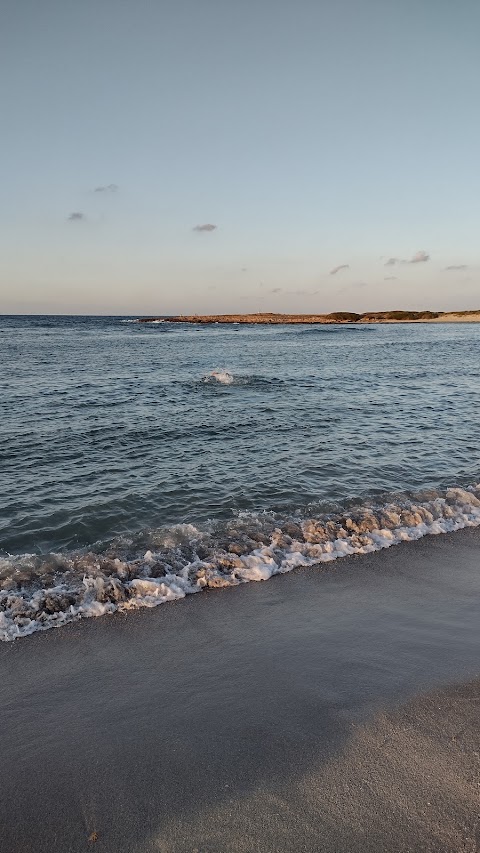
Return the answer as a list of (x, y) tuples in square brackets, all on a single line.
[(114, 429)]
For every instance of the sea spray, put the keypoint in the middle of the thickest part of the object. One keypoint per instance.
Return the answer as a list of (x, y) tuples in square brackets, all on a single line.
[(223, 377)]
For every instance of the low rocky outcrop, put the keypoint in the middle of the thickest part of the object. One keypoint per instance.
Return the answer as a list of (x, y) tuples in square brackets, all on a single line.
[(335, 318)]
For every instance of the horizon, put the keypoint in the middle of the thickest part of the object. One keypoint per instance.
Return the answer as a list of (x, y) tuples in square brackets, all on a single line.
[(361, 313), (199, 159)]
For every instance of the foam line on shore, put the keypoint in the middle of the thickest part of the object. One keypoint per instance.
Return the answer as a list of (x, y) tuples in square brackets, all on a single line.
[(41, 592)]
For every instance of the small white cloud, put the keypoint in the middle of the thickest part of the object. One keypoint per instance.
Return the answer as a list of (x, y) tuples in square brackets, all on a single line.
[(204, 228), (76, 216), (420, 257), (108, 188)]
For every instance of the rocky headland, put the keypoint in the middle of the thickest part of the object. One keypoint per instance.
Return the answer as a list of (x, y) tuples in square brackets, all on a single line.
[(337, 317)]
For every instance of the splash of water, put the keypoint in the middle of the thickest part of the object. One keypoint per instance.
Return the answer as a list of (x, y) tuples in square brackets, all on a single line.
[(223, 377)]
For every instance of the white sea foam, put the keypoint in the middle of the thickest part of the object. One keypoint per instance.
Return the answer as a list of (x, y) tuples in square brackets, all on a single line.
[(221, 376), (37, 593), (138, 320)]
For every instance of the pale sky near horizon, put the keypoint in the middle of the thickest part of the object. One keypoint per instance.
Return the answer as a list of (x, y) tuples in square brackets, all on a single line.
[(312, 134)]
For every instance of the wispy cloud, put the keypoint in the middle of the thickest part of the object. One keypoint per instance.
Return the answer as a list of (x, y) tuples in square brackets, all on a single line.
[(457, 267), (294, 292), (419, 257), (340, 267), (108, 188), (76, 216), (390, 278), (207, 227)]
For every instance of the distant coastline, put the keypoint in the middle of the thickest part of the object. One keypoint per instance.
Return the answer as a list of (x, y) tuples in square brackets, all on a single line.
[(336, 318)]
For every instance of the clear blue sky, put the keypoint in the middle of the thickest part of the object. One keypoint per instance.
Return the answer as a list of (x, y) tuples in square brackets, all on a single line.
[(312, 134)]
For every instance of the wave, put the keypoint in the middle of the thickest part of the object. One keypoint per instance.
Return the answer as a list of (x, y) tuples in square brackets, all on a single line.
[(139, 320), (224, 377), (150, 568), (333, 330)]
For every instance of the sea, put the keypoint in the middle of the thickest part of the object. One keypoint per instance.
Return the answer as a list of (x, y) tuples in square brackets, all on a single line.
[(141, 463)]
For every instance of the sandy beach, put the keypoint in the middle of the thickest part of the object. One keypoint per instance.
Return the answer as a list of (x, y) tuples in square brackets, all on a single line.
[(332, 709)]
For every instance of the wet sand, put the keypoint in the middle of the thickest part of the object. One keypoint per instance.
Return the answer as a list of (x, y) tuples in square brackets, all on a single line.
[(332, 709)]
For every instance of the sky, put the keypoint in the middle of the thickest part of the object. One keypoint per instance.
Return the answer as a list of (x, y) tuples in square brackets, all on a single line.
[(198, 156)]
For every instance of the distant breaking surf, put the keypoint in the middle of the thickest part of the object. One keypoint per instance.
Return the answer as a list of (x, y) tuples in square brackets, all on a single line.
[(41, 592)]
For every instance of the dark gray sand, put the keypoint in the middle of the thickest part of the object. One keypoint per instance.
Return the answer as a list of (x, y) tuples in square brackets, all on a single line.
[(325, 710)]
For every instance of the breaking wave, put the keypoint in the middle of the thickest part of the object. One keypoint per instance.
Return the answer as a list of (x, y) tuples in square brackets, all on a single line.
[(223, 377), (139, 320), (40, 592)]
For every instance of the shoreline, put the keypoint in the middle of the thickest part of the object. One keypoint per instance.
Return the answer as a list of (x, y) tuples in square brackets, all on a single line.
[(311, 712), (147, 578), (335, 319)]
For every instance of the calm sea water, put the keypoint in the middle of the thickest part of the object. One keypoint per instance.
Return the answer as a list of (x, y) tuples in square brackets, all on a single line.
[(109, 428)]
